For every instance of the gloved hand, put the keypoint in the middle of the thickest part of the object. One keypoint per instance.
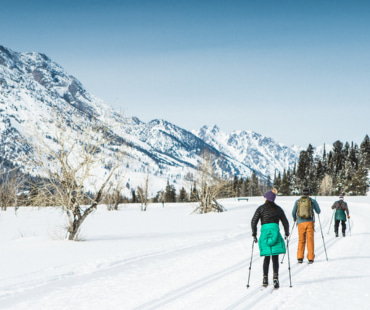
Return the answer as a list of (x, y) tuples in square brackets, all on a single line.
[(348, 216), (255, 239)]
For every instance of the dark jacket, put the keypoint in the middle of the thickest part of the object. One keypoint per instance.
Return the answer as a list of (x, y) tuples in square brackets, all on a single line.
[(269, 213), (341, 207), (270, 242)]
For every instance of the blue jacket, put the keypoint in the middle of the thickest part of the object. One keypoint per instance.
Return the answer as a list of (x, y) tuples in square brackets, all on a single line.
[(315, 207)]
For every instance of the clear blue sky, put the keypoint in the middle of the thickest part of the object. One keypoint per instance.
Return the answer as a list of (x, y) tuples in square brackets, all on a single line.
[(296, 71)]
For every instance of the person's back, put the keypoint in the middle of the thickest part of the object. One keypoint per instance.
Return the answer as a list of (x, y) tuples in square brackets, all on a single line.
[(305, 222), (271, 243), (341, 208)]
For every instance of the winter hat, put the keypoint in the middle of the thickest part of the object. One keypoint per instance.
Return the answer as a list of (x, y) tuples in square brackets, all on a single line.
[(341, 196), (306, 191), (271, 195)]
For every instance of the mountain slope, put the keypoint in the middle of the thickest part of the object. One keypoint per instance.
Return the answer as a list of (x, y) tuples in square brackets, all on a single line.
[(252, 149), (33, 88)]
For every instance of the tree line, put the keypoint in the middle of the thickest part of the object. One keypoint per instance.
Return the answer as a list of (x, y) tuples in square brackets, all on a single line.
[(342, 170)]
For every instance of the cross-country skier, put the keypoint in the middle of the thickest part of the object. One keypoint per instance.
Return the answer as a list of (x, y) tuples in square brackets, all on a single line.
[(303, 213), (340, 216), (271, 243)]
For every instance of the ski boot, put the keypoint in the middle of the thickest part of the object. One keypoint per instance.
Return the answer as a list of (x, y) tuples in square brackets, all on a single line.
[(265, 281), (276, 280)]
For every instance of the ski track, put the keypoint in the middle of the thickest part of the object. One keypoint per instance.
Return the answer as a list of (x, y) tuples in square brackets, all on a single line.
[(250, 299), (10, 294), (187, 289), (248, 302)]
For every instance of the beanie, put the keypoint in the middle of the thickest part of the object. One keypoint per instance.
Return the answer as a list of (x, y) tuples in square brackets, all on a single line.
[(341, 196), (306, 191), (271, 195)]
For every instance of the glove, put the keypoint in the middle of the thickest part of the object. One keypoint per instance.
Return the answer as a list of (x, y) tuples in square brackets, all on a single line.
[(255, 239), (348, 216)]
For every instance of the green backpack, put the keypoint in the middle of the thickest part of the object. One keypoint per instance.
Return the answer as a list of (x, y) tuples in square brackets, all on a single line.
[(304, 209)]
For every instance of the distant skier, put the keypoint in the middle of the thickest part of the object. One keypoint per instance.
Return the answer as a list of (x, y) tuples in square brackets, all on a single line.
[(303, 213), (341, 208), (271, 243)]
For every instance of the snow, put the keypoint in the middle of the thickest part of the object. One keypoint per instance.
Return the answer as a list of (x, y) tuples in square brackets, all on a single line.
[(168, 258)]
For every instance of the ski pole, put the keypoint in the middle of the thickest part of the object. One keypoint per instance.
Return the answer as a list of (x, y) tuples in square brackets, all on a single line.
[(331, 221), (250, 265), (322, 237), (282, 260), (349, 225), (287, 248)]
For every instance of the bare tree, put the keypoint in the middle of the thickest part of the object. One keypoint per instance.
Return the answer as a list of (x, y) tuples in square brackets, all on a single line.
[(209, 186), (70, 156), (113, 197), (326, 186), (143, 192), (11, 180)]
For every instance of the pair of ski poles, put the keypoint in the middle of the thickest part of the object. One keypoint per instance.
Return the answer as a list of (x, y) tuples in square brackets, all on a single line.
[(349, 224), (250, 264)]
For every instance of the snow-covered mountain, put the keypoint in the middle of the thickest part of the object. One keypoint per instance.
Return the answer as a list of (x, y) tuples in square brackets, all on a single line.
[(254, 150), (33, 87)]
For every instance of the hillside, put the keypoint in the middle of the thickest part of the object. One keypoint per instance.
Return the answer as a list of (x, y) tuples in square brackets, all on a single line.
[(33, 88)]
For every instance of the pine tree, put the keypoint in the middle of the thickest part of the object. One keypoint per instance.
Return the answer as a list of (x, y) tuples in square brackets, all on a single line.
[(254, 185), (359, 183), (277, 181), (285, 185), (365, 152), (183, 195)]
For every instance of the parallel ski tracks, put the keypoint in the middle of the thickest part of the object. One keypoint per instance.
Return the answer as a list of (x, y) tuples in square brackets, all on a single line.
[(27, 287)]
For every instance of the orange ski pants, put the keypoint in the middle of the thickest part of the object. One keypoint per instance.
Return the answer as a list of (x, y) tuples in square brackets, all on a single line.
[(306, 235)]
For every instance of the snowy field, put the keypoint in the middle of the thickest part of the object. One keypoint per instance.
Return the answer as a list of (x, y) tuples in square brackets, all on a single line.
[(167, 259)]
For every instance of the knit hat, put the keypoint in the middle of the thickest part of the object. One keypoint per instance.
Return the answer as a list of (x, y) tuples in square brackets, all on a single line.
[(305, 191), (341, 196), (271, 195)]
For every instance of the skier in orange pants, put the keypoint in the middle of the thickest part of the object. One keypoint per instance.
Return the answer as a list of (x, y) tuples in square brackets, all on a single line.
[(303, 213)]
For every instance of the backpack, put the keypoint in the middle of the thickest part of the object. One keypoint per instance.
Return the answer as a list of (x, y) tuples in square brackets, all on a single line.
[(304, 209)]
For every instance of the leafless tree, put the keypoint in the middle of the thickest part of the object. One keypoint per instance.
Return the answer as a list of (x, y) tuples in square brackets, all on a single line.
[(143, 192), (113, 197), (209, 185), (70, 156), (11, 180)]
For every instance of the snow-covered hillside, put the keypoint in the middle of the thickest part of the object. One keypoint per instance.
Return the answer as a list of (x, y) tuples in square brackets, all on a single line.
[(167, 259), (256, 151), (33, 87)]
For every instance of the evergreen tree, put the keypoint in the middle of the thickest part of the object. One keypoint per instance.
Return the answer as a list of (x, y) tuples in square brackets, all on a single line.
[(285, 185), (247, 183), (359, 183), (277, 181), (254, 185), (365, 152), (183, 195), (170, 193)]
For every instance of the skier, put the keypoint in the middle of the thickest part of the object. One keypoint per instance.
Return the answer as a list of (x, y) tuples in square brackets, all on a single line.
[(271, 243), (303, 213), (341, 207)]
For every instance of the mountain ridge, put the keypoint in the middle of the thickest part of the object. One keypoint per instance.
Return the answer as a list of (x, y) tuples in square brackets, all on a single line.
[(33, 87)]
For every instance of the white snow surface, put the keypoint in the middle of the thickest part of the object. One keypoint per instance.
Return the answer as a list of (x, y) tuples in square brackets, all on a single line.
[(168, 258)]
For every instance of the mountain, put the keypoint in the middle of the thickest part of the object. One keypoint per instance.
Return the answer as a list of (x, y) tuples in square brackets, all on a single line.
[(252, 149), (33, 88)]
